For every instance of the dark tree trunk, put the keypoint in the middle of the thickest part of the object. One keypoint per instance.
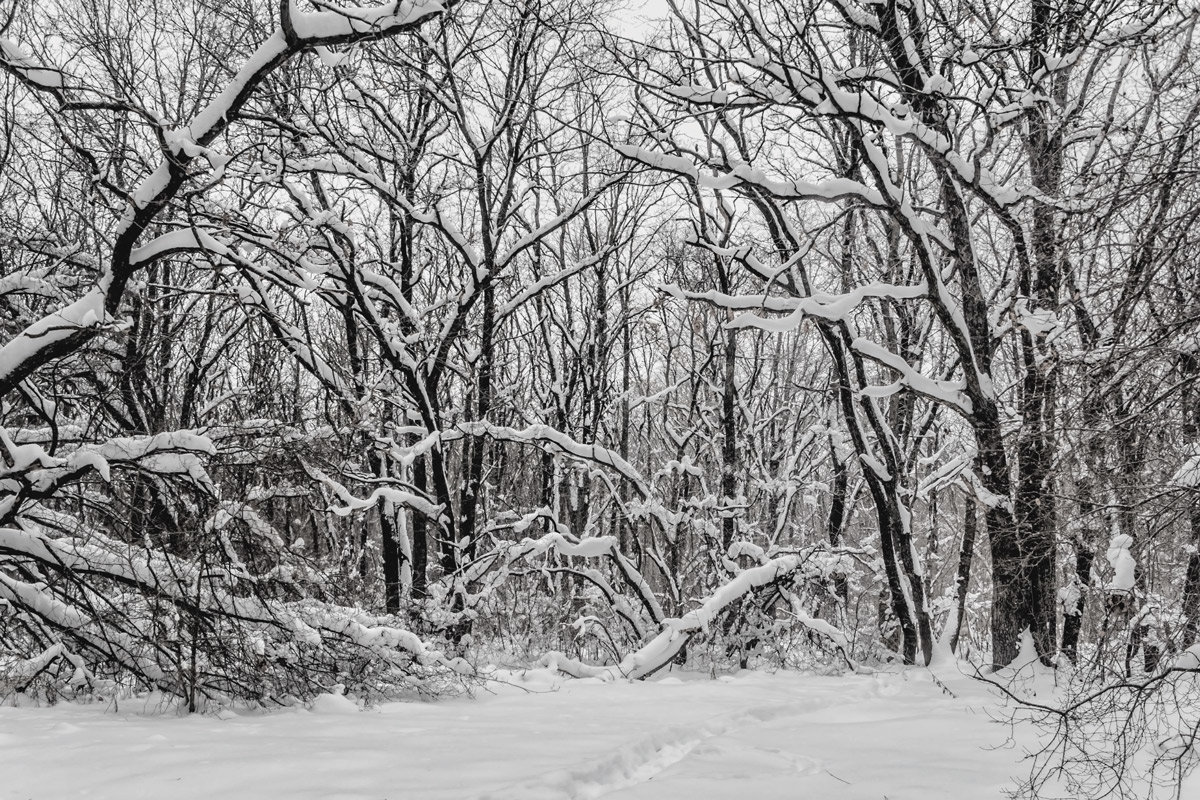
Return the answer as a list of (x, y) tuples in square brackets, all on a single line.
[(1040, 278), (448, 553), (1088, 489), (837, 519), (477, 447), (965, 557), (1085, 556), (729, 455), (390, 549), (420, 534), (1012, 606)]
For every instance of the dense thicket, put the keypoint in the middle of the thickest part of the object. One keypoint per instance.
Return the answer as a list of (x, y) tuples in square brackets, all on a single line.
[(353, 345)]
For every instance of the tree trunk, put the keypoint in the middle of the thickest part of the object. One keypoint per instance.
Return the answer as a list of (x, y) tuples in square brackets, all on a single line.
[(388, 538), (729, 455), (965, 557), (476, 447), (837, 520), (420, 541)]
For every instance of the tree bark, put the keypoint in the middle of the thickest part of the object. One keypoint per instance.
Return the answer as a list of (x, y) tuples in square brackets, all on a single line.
[(965, 557)]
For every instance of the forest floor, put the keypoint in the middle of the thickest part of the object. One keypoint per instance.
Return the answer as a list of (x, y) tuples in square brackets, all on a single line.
[(897, 735)]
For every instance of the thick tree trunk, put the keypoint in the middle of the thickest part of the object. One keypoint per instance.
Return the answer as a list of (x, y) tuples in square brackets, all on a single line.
[(1015, 551), (1013, 604), (1040, 279)]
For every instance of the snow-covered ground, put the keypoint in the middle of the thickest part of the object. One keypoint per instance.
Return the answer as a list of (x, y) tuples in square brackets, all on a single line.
[(753, 735)]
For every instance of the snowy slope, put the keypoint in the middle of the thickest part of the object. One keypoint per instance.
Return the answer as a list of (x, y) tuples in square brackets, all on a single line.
[(755, 735)]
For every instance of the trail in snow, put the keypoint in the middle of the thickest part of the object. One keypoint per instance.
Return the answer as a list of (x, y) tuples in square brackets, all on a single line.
[(648, 755), (753, 735)]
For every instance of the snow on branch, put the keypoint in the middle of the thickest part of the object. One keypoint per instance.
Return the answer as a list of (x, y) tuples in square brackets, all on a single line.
[(389, 494), (490, 570), (208, 593), (32, 472), (657, 653), (822, 305), (830, 190), (950, 393), (49, 333), (17, 60), (355, 23), (546, 436), (179, 241)]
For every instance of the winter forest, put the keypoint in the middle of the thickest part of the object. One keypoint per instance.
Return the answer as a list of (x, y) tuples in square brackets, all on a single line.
[(361, 353)]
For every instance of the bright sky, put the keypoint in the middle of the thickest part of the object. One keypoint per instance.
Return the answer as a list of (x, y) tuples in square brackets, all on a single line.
[(643, 14)]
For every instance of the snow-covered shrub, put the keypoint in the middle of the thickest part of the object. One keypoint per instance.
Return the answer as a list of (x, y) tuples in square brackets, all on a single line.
[(209, 601)]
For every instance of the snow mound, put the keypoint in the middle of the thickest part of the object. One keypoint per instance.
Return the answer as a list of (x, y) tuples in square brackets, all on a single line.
[(1188, 659), (331, 703)]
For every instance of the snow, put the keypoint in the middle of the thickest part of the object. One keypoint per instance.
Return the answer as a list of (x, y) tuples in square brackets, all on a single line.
[(334, 702), (555, 440), (86, 312), (951, 393), (536, 735), (1027, 657), (349, 21), (1188, 475), (21, 61), (1188, 659), (1123, 563), (176, 241)]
